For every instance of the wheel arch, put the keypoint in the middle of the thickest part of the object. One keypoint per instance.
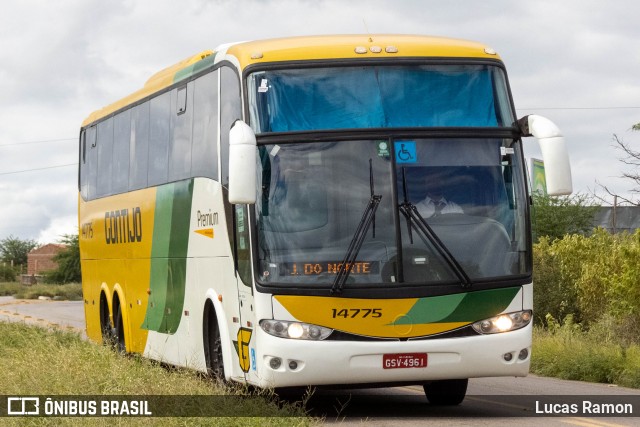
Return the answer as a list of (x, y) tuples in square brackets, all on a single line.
[(213, 309)]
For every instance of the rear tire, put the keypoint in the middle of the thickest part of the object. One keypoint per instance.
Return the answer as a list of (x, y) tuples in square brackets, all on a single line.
[(118, 331), (446, 392), (105, 322)]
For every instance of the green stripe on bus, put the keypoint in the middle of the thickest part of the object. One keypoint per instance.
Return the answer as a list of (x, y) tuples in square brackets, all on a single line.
[(194, 68), (464, 307), (482, 305), (168, 257)]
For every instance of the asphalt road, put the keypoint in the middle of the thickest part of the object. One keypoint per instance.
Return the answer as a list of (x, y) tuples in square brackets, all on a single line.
[(67, 315), (489, 401)]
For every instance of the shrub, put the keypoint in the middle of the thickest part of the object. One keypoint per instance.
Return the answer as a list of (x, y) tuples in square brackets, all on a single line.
[(552, 293), (589, 277), (565, 350), (7, 274)]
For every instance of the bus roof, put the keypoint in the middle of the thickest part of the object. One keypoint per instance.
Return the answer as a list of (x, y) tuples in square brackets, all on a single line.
[(304, 48), (355, 46)]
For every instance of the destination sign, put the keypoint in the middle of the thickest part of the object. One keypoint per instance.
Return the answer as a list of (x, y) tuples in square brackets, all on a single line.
[(328, 267)]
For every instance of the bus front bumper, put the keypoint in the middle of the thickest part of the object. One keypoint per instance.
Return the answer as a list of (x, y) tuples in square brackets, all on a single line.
[(291, 363)]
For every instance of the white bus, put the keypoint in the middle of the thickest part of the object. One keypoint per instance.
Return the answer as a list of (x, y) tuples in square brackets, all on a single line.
[(325, 211)]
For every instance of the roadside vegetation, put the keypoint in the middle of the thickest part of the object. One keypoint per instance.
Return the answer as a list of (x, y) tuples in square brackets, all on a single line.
[(587, 308), (36, 361), (69, 291), (572, 352), (62, 283)]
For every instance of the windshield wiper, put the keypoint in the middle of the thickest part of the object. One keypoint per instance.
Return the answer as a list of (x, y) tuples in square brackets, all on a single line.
[(414, 219), (368, 217)]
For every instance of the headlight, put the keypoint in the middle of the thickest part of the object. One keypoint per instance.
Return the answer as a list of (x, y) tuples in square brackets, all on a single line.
[(294, 330), (503, 323)]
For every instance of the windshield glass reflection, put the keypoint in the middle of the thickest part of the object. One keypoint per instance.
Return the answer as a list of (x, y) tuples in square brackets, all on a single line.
[(312, 198)]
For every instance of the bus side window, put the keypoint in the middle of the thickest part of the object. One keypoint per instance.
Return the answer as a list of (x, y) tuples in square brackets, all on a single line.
[(204, 157), (82, 177), (105, 157), (83, 139), (230, 111), (159, 137), (243, 252), (89, 176), (180, 144), (139, 148), (121, 142)]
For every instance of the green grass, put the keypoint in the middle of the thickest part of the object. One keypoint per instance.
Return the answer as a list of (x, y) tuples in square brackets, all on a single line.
[(9, 288), (570, 353), (70, 291), (37, 361)]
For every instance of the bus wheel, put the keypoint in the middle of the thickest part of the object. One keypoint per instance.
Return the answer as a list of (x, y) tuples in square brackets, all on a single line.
[(105, 322), (213, 346), (118, 331), (446, 392)]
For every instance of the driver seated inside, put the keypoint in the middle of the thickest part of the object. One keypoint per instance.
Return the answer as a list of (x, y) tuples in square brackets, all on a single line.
[(436, 204)]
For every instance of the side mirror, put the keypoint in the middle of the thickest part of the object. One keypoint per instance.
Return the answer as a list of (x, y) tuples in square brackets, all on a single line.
[(557, 168), (242, 164)]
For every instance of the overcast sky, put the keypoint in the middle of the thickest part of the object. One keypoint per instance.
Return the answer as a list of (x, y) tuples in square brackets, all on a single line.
[(576, 62)]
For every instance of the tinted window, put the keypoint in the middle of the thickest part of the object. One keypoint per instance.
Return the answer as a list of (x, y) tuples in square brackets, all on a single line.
[(205, 126), (230, 111), (453, 95), (105, 152), (88, 173), (180, 146), (159, 136), (139, 148), (121, 136)]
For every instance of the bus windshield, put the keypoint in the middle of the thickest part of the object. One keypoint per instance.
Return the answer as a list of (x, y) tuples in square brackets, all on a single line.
[(398, 96), (312, 196)]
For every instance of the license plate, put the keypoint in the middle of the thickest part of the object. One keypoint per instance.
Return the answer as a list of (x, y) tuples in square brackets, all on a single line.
[(404, 360)]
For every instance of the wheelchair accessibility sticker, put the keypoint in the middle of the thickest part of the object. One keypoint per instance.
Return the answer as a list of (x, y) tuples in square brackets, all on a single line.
[(406, 152)]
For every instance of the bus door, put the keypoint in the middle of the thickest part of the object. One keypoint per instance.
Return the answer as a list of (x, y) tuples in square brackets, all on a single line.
[(244, 341)]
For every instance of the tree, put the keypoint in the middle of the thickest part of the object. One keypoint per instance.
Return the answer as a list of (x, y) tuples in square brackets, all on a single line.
[(630, 158), (14, 251), (68, 260), (556, 217)]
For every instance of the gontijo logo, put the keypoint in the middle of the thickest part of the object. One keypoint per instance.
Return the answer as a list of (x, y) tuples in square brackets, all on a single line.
[(123, 226)]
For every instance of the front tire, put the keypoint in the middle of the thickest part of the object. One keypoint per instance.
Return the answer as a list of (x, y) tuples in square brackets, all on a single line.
[(446, 392), (213, 346)]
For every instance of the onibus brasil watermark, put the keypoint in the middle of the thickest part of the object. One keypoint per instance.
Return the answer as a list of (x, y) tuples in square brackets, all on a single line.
[(57, 406)]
